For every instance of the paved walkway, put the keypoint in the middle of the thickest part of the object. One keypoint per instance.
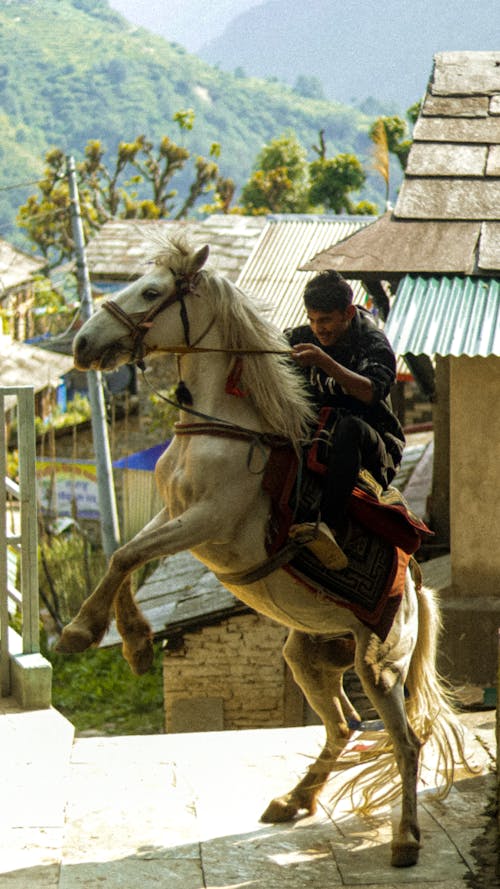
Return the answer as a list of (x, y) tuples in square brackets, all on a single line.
[(182, 811)]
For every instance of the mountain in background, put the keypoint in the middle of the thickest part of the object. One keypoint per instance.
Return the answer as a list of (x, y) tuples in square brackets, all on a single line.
[(381, 49), (188, 22), (76, 70)]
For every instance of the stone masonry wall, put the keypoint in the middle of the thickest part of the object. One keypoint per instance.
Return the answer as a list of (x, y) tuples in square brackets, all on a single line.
[(239, 662)]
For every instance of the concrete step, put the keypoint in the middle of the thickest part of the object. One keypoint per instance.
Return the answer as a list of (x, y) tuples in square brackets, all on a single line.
[(183, 810)]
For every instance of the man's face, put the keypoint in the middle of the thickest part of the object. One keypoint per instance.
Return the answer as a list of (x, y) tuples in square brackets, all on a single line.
[(328, 327)]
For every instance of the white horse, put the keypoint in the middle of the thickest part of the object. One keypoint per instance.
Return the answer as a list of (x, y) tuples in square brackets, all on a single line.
[(215, 507)]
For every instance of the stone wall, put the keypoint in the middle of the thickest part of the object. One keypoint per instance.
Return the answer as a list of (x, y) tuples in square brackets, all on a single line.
[(410, 404), (231, 676)]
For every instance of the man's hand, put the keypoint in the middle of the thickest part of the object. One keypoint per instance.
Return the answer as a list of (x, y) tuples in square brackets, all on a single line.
[(309, 355), (354, 384)]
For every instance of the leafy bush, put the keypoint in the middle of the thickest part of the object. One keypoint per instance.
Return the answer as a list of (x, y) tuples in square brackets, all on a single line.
[(69, 569)]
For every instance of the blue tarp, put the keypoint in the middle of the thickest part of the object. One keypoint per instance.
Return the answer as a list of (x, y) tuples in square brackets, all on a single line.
[(142, 459)]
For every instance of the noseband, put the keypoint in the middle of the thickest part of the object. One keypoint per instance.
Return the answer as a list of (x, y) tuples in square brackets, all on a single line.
[(138, 330)]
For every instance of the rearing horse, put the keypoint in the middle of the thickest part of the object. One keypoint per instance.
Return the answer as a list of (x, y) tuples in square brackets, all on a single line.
[(215, 507)]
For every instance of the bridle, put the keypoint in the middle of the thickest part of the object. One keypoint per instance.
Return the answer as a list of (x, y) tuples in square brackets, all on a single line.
[(183, 286)]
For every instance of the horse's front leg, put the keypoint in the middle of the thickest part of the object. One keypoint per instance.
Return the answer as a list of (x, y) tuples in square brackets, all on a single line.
[(161, 537), (136, 633)]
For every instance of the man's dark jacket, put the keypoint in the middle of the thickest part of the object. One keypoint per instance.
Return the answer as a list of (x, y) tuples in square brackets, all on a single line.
[(364, 349)]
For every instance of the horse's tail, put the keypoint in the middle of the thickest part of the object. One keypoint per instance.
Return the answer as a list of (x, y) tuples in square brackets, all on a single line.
[(430, 705), (432, 715)]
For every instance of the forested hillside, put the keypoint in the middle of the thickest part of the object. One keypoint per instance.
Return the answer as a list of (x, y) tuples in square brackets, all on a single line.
[(74, 70)]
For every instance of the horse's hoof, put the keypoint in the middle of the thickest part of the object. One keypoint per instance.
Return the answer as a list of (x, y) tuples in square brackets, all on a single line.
[(278, 810), (405, 854), (141, 659), (73, 640)]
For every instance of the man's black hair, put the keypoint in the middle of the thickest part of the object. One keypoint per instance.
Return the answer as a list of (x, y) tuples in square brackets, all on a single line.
[(327, 292)]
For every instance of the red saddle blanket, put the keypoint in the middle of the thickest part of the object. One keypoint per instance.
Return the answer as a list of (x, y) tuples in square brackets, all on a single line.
[(383, 535)]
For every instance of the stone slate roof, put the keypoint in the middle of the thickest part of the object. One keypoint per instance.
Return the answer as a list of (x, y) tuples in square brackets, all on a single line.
[(447, 216), (24, 365), (16, 268), (120, 251)]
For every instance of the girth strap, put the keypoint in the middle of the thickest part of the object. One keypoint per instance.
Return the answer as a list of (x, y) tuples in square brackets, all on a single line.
[(262, 569)]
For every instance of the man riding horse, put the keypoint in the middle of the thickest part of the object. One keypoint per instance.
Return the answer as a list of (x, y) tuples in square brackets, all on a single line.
[(350, 367)]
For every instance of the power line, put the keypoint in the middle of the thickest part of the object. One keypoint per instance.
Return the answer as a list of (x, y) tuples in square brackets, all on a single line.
[(20, 185), (59, 177)]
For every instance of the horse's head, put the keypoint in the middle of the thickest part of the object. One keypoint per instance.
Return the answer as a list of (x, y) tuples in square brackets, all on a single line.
[(123, 329)]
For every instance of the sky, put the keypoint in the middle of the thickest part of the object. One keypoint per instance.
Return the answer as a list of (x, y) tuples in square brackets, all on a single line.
[(191, 23), (362, 48)]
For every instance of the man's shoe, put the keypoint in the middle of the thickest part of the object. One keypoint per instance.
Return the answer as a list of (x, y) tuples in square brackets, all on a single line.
[(320, 540)]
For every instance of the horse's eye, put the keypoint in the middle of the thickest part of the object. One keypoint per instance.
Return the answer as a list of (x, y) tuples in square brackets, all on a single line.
[(151, 293)]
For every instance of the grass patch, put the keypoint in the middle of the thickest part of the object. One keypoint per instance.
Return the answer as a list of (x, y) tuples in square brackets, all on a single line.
[(96, 690), (98, 693)]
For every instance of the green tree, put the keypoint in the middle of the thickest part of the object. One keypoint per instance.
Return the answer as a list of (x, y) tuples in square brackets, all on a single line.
[(390, 135), (334, 178), (332, 181), (309, 87), (284, 181), (397, 133), (136, 182), (280, 181)]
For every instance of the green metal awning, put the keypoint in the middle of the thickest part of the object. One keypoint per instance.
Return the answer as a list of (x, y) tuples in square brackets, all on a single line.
[(445, 316)]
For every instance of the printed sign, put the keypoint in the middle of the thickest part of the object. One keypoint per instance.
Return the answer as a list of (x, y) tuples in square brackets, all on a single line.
[(68, 488)]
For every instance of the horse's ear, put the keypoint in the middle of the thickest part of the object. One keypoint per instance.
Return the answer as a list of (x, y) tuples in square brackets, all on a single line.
[(199, 259)]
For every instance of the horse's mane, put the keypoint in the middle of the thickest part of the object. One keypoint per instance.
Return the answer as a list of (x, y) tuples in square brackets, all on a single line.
[(273, 382)]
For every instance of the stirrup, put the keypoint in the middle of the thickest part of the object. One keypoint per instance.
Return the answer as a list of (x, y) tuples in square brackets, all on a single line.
[(319, 539)]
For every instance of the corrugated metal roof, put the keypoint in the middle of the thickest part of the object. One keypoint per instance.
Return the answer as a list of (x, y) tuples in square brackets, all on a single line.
[(446, 316), (272, 274)]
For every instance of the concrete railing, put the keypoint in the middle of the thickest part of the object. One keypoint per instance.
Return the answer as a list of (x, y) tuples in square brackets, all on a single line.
[(24, 673)]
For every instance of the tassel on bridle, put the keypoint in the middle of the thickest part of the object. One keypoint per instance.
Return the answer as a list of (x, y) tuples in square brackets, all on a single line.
[(233, 379), (182, 393)]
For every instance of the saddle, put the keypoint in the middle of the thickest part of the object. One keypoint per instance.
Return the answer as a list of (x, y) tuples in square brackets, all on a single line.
[(381, 537)]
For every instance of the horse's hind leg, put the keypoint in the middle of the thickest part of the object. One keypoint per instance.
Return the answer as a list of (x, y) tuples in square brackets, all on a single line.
[(385, 689), (317, 667)]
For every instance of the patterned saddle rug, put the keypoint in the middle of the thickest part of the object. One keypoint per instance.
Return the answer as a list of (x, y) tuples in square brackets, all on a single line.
[(382, 535)]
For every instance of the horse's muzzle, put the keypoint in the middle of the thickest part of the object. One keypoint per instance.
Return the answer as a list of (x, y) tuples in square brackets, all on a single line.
[(87, 356)]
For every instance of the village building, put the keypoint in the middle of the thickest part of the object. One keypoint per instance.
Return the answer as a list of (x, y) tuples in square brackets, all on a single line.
[(17, 290), (25, 365), (22, 364), (438, 254)]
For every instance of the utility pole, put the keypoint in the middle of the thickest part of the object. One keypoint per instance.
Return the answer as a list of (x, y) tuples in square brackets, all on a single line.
[(106, 492)]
